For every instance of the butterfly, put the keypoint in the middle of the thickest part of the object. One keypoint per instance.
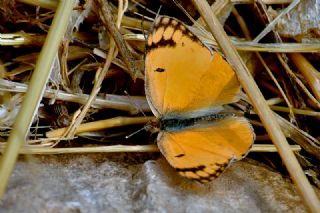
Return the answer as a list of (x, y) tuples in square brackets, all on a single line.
[(186, 86)]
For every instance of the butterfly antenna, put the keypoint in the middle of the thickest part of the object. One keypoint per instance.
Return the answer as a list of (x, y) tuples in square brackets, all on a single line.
[(144, 7), (184, 10), (136, 132), (145, 37), (201, 28), (144, 34), (158, 12), (134, 104)]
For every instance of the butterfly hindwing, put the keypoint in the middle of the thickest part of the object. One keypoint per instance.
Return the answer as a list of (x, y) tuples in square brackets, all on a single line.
[(179, 65), (203, 152)]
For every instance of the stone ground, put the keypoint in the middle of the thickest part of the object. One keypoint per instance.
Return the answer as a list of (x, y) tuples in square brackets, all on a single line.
[(142, 183)]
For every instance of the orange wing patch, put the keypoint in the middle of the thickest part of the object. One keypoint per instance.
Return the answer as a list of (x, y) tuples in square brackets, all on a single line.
[(202, 153), (178, 65)]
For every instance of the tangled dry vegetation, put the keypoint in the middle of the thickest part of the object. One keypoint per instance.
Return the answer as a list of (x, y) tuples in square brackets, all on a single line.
[(95, 94)]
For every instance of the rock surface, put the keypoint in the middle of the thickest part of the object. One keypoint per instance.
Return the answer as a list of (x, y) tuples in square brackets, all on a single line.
[(302, 23), (125, 183)]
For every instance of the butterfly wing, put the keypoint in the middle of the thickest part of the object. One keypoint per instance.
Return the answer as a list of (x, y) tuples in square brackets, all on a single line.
[(203, 152), (182, 75)]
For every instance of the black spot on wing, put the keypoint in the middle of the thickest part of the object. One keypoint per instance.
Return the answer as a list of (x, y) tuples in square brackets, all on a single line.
[(159, 69), (179, 156)]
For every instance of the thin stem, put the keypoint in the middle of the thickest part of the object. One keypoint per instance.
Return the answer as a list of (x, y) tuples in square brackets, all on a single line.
[(125, 148), (35, 91)]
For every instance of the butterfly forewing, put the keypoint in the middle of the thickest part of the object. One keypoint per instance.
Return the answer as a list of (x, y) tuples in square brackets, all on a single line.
[(182, 75)]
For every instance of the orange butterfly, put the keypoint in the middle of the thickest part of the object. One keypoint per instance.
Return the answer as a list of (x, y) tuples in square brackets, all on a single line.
[(186, 86)]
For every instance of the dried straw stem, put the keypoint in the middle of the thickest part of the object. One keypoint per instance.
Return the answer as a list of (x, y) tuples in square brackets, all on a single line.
[(52, 4), (125, 148), (309, 73), (99, 125), (107, 19), (131, 104)]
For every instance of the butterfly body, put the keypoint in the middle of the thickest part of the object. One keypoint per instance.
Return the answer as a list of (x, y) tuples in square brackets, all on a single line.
[(180, 124), (186, 86)]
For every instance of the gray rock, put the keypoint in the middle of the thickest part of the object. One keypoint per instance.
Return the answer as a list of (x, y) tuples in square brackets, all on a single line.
[(302, 23), (129, 183)]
